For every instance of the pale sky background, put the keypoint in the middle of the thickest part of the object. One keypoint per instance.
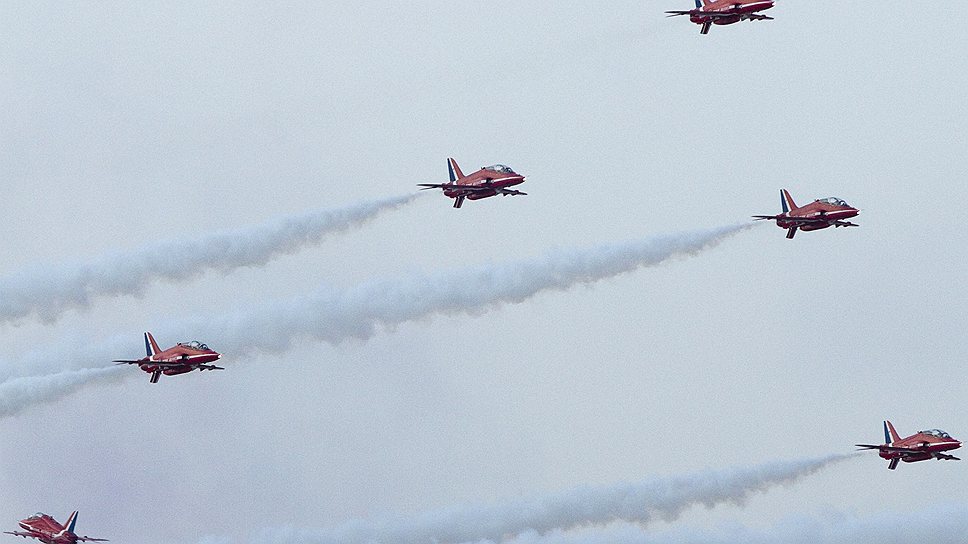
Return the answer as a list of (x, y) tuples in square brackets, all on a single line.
[(123, 124)]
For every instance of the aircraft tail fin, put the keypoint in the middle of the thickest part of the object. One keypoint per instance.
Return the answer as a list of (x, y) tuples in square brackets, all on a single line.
[(786, 201), (454, 170), (151, 347), (890, 435), (698, 4), (71, 522)]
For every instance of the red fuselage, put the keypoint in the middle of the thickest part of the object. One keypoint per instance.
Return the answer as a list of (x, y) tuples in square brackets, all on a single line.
[(927, 443), (727, 12), (185, 357), (825, 210), (819, 214), (49, 531), (487, 181)]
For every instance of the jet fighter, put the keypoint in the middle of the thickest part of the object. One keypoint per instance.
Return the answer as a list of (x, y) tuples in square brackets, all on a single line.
[(47, 530), (488, 181), (819, 214), (178, 359), (724, 12), (921, 446)]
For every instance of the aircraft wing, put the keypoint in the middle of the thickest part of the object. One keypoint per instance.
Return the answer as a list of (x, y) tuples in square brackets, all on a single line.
[(889, 448), (89, 539), (947, 457), (466, 189), (142, 361), (208, 367), (703, 14), (796, 221), (19, 533)]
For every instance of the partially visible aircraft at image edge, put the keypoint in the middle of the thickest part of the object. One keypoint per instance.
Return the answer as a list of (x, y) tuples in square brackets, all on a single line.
[(49, 531), (178, 359), (819, 214), (920, 446), (488, 181), (724, 12)]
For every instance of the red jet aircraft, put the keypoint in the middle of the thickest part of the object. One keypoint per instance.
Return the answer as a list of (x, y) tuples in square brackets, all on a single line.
[(47, 530), (724, 12), (819, 214), (918, 447), (178, 359), (488, 181)]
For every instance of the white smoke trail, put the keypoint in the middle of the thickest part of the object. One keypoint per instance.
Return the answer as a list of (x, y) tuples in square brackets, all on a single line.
[(640, 502), (360, 312), (47, 291), (17, 393), (939, 524)]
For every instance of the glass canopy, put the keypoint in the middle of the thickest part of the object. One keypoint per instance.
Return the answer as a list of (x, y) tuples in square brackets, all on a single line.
[(499, 168), (936, 432), (833, 200)]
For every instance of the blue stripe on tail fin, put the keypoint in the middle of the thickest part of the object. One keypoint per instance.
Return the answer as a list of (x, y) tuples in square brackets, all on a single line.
[(787, 201), (454, 170), (698, 4), (147, 346), (71, 522), (887, 435)]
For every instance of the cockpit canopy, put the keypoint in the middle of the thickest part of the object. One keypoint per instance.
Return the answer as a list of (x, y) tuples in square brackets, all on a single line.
[(938, 433), (194, 344), (834, 201), (499, 168)]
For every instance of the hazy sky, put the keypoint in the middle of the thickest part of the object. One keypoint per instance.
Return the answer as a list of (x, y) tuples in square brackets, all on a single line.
[(122, 125)]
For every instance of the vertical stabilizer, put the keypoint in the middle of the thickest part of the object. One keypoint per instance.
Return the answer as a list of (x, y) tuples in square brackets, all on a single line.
[(890, 435), (698, 4), (454, 170), (71, 522), (787, 201), (151, 347)]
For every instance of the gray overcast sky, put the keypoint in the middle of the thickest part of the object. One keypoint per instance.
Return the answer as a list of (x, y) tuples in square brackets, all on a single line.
[(122, 124)]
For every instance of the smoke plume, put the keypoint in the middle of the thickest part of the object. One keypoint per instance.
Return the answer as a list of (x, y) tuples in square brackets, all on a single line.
[(47, 291), (18, 393), (641, 503), (360, 312), (940, 524)]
